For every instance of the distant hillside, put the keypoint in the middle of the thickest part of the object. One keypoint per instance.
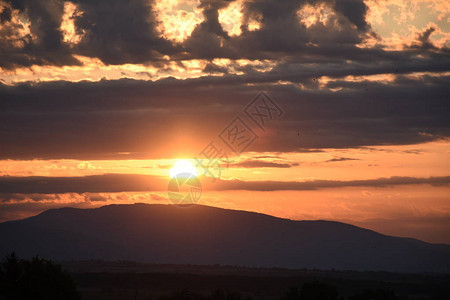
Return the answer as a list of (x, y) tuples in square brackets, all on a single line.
[(207, 235)]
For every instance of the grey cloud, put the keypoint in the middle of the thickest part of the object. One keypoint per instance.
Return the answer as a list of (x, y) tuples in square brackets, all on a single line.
[(114, 31), (281, 31), (19, 188), (355, 11), (423, 40), (337, 159), (262, 164), (120, 32), (112, 183), (44, 45), (89, 120), (322, 184)]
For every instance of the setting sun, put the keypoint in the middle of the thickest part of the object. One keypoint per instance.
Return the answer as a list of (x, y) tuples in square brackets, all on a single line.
[(182, 166), (302, 145)]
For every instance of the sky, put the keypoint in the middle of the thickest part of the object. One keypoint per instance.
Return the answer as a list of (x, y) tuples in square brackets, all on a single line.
[(344, 103)]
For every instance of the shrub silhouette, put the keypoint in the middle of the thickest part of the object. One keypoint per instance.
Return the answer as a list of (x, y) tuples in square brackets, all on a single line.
[(375, 295), (35, 279), (183, 295), (221, 294), (292, 294), (218, 294), (318, 291), (312, 291)]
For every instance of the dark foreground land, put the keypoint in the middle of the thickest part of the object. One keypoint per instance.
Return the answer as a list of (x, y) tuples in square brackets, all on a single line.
[(127, 280)]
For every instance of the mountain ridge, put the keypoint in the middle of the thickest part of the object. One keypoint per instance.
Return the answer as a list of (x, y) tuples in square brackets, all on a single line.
[(158, 233)]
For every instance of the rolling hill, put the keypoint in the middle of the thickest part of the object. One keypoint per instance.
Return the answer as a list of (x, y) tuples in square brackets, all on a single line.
[(207, 235)]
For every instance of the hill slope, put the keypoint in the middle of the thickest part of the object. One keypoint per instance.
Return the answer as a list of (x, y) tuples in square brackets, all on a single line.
[(208, 235)]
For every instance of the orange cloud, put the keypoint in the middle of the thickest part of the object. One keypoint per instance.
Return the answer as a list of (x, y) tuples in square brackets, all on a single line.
[(70, 34), (398, 22), (177, 18)]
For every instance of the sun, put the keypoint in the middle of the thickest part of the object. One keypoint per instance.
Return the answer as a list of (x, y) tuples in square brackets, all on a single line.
[(183, 166)]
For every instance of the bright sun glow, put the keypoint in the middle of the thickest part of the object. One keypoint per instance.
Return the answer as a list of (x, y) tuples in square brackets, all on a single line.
[(182, 166)]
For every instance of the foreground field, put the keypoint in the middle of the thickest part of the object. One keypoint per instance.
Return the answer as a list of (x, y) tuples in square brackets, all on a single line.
[(127, 280)]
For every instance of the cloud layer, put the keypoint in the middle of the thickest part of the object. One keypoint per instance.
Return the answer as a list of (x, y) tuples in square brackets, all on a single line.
[(113, 183), (42, 32), (88, 120)]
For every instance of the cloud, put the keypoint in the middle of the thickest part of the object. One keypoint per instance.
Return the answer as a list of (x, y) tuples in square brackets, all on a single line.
[(114, 32), (130, 33), (156, 197), (262, 164), (355, 11), (322, 184), (111, 183), (98, 120), (120, 33), (314, 69), (337, 159), (17, 187), (423, 40), (30, 34)]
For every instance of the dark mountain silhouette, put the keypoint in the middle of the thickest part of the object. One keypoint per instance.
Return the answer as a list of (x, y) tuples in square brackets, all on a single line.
[(208, 235)]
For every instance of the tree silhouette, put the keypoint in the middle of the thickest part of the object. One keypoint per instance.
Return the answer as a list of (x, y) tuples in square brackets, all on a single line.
[(375, 295), (318, 291), (218, 294), (221, 294), (35, 279), (292, 294), (183, 295), (312, 291)]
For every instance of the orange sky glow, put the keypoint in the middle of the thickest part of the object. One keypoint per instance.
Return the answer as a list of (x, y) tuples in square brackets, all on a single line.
[(416, 205)]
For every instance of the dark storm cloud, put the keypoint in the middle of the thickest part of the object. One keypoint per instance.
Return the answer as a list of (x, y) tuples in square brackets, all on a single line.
[(43, 45), (99, 120), (88, 120), (115, 31), (281, 32), (423, 40), (119, 32), (355, 11), (207, 38), (39, 188)]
